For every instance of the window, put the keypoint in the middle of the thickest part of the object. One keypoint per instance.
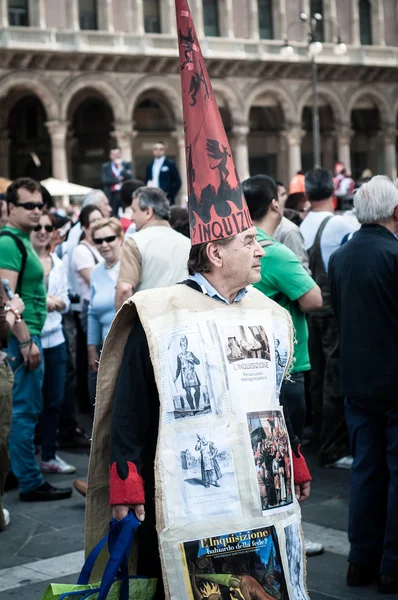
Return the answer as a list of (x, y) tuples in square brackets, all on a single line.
[(152, 16), (88, 14), (317, 8), (18, 13), (365, 22), (210, 18), (265, 24)]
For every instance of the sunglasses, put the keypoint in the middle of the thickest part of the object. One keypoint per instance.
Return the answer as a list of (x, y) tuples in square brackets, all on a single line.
[(48, 228), (108, 240), (30, 205)]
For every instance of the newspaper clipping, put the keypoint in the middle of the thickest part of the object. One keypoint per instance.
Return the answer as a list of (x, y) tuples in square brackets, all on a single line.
[(271, 457), (294, 551), (207, 471), (242, 565)]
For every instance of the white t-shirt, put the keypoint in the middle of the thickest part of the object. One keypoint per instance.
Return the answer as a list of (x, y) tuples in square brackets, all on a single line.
[(83, 258), (332, 236), (157, 165)]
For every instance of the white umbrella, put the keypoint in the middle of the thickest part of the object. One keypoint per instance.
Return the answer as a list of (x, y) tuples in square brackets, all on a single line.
[(57, 187)]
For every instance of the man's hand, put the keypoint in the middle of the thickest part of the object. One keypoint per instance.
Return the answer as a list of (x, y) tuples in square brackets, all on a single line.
[(93, 357), (120, 511), (32, 356), (17, 304), (303, 491)]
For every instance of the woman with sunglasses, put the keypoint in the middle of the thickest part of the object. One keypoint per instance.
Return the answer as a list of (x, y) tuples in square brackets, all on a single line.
[(54, 346), (108, 237)]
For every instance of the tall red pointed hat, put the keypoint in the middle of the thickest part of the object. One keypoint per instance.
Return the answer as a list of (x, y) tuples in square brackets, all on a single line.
[(217, 207)]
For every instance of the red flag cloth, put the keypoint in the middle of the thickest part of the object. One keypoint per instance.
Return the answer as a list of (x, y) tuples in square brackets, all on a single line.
[(217, 207)]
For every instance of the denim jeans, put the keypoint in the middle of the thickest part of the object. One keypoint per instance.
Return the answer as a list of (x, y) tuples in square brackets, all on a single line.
[(27, 404), (373, 512), (53, 395)]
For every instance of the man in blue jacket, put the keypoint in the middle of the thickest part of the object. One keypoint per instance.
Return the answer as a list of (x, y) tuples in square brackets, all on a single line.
[(163, 173), (364, 285)]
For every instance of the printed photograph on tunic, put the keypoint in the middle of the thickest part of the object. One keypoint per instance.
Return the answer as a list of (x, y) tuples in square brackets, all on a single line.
[(271, 458), (187, 376), (247, 354), (207, 471), (245, 565), (294, 552), (281, 345)]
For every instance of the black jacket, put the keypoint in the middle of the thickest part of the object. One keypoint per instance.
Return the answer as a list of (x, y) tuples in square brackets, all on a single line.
[(169, 178), (109, 179), (364, 282)]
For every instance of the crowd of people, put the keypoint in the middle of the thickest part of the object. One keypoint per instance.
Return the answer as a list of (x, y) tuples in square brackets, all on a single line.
[(65, 282)]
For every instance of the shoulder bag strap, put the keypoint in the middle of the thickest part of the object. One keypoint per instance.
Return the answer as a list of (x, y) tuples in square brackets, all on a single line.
[(24, 256)]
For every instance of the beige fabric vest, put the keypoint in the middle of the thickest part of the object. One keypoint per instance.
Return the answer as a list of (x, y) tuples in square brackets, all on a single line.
[(164, 255), (220, 424)]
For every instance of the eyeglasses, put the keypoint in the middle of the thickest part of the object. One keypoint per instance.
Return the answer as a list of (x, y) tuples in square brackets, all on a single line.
[(48, 228), (30, 205), (108, 240)]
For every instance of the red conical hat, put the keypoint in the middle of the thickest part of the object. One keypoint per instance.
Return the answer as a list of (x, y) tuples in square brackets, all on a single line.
[(217, 207)]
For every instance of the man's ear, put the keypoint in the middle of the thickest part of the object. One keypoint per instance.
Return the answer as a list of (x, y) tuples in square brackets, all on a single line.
[(149, 212), (213, 253), (395, 213)]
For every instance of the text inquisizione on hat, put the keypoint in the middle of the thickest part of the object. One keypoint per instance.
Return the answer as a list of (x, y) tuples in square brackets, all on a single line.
[(217, 207)]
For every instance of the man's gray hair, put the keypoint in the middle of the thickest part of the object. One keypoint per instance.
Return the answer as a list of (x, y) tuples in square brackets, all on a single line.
[(95, 197), (155, 198), (376, 200)]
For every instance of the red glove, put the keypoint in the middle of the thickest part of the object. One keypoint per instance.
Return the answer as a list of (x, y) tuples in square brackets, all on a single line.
[(300, 469), (129, 491)]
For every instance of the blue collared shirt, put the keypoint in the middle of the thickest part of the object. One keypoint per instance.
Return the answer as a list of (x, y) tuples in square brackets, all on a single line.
[(209, 290)]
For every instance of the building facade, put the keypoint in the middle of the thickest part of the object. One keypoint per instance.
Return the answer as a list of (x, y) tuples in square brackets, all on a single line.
[(78, 77)]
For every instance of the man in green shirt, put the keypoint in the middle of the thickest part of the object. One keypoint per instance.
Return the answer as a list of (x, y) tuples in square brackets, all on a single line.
[(283, 279), (20, 264)]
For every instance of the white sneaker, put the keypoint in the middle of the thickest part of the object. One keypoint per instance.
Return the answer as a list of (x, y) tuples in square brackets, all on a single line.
[(342, 463), (6, 516), (313, 548), (56, 465)]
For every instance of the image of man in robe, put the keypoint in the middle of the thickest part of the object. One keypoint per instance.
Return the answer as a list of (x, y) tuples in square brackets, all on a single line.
[(211, 471), (186, 361)]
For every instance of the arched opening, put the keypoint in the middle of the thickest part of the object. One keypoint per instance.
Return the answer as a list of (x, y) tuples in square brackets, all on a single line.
[(366, 144), (89, 139), (266, 122), (327, 140), (29, 153), (153, 121)]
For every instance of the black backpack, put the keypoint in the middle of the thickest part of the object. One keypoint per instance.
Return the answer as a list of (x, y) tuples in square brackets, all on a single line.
[(24, 257)]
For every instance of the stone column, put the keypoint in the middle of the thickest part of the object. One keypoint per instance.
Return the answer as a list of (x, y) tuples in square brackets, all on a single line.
[(37, 13), (254, 33), (135, 17), (123, 136), (178, 135), (344, 134), (58, 131), (168, 17), (355, 36), (105, 15), (328, 145), (4, 153), (240, 149), (294, 135), (226, 19), (72, 15), (280, 20), (389, 134), (3, 14), (379, 37), (197, 14)]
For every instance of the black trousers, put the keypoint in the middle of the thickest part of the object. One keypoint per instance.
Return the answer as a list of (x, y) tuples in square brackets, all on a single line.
[(373, 513), (293, 392), (327, 404)]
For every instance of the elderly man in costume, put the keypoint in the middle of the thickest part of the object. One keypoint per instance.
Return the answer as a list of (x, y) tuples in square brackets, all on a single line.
[(188, 532)]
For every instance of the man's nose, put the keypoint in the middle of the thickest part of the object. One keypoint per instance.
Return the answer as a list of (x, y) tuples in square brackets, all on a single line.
[(258, 250)]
